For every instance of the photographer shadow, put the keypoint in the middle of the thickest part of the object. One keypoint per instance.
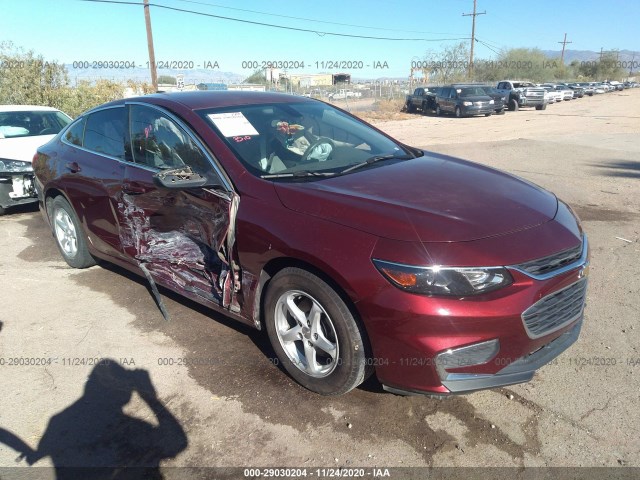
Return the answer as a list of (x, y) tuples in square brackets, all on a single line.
[(93, 438)]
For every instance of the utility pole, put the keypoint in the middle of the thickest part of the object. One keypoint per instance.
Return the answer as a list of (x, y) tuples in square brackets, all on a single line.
[(564, 43), (473, 33), (152, 55)]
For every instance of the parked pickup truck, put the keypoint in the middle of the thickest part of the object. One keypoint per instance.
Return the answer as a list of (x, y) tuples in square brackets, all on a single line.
[(423, 99), (523, 94)]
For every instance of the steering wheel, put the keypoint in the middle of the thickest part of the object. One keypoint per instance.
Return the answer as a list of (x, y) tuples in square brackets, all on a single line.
[(323, 146)]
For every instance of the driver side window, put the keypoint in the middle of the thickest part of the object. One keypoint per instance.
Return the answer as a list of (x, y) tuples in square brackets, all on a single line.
[(158, 142)]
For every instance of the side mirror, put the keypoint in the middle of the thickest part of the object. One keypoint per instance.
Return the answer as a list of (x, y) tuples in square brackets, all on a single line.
[(177, 178)]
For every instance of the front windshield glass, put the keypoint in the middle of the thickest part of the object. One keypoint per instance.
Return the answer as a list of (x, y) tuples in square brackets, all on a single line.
[(285, 138), (472, 91), (31, 123)]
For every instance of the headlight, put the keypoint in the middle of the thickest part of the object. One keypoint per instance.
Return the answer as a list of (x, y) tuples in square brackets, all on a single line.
[(467, 104), (15, 166), (451, 281), (491, 102)]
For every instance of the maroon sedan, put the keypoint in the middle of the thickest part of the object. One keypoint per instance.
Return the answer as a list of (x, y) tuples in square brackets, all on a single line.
[(354, 252)]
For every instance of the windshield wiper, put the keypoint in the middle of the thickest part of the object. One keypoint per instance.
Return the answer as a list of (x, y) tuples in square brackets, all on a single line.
[(298, 174), (374, 159)]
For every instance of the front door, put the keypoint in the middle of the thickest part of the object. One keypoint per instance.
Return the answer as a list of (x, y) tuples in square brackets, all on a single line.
[(179, 236)]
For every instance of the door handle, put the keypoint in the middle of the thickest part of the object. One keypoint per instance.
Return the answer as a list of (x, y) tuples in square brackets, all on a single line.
[(134, 188), (73, 167)]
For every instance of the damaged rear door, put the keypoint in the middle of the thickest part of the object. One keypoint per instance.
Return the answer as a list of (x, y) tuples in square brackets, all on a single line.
[(180, 235)]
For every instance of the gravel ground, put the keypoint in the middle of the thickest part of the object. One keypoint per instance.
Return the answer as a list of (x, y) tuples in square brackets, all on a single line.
[(237, 409)]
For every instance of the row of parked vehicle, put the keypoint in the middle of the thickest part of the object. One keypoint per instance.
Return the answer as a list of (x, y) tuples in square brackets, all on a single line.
[(468, 99)]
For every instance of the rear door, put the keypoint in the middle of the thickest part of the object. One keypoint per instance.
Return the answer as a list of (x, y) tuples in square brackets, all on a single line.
[(181, 236), (92, 168)]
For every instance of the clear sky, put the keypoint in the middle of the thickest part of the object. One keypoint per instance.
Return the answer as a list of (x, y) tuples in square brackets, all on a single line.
[(73, 30)]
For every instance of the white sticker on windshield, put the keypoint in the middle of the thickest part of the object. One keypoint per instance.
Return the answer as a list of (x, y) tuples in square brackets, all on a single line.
[(233, 124)]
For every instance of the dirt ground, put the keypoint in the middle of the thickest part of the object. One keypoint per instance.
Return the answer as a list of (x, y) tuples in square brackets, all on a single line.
[(217, 379)]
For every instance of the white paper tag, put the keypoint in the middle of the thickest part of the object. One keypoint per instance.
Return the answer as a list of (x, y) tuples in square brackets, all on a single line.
[(232, 124)]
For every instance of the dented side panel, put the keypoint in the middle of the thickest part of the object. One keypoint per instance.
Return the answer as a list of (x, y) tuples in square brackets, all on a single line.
[(181, 237)]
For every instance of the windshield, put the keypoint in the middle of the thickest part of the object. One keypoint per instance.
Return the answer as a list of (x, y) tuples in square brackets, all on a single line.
[(472, 91), (307, 137), (31, 123)]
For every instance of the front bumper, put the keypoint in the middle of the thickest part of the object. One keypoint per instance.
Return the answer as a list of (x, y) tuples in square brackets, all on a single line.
[(532, 321), (477, 110), (17, 189)]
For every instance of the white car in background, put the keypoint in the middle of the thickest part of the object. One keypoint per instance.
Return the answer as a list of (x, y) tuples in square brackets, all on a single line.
[(23, 129), (551, 94)]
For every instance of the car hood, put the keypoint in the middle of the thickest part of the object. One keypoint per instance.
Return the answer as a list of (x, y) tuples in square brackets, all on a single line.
[(434, 198), (22, 148)]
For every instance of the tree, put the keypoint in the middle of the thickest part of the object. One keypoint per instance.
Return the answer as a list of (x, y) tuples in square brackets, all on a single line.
[(449, 65), (167, 79), (258, 76), (606, 68), (26, 78)]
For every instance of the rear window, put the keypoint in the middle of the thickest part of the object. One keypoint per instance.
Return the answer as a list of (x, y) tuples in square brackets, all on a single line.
[(32, 123)]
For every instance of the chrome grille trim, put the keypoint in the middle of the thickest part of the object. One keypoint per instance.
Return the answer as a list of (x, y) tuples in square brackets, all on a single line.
[(556, 264), (556, 310)]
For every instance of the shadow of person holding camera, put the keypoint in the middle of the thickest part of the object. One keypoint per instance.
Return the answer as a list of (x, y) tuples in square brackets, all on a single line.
[(94, 439)]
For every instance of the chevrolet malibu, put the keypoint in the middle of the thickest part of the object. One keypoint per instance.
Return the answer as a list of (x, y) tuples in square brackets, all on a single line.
[(354, 252)]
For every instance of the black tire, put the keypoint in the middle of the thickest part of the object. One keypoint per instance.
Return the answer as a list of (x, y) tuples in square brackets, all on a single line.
[(2, 211), (438, 111), (80, 256), (425, 108), (488, 114), (458, 112), (541, 107), (410, 108), (500, 112), (513, 105), (350, 366)]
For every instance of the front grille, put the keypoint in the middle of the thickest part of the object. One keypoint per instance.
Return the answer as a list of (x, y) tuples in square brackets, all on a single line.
[(553, 262), (556, 310)]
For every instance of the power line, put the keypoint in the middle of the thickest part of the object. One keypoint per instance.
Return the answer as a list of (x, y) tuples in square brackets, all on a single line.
[(315, 20), (320, 33), (488, 46)]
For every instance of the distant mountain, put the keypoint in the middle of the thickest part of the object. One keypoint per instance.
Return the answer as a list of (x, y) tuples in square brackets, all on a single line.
[(588, 55), (198, 75)]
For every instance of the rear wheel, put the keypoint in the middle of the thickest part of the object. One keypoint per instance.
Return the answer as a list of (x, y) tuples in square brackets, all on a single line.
[(2, 210), (314, 333), (438, 111), (410, 108), (69, 236)]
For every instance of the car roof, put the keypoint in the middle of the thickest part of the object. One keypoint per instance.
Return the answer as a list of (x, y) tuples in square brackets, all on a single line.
[(198, 100), (26, 108)]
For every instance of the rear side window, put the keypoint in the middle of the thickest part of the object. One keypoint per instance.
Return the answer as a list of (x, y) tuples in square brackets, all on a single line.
[(104, 132), (76, 133)]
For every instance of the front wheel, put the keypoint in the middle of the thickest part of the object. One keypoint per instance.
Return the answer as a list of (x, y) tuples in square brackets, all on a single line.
[(438, 111), (69, 236), (458, 112), (513, 105), (541, 107), (314, 334)]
